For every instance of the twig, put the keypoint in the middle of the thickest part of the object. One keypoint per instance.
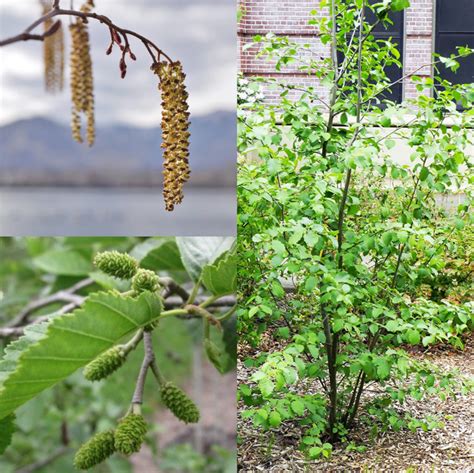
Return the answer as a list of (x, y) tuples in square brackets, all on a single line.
[(56, 11), (45, 462), (148, 359)]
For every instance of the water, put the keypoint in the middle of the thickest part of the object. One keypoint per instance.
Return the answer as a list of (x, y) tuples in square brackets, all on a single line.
[(114, 212)]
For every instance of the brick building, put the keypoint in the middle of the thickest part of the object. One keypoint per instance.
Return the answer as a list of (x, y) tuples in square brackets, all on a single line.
[(427, 26)]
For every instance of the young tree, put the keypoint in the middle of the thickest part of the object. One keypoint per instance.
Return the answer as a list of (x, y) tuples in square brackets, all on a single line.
[(338, 239), (175, 115)]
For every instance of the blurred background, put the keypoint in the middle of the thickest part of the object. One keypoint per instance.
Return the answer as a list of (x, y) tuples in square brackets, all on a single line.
[(51, 427), (51, 185)]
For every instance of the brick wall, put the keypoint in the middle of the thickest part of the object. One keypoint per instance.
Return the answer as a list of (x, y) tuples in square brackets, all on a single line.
[(290, 18)]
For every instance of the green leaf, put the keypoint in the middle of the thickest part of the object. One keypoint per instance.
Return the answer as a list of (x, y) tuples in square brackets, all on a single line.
[(158, 254), (398, 5), (63, 262), (424, 173), (220, 278), (7, 429), (413, 336), (392, 326), (274, 419), (221, 347), (310, 283), (50, 352), (197, 252), (298, 407)]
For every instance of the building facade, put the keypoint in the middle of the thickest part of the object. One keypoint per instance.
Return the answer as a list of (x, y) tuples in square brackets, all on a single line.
[(426, 27)]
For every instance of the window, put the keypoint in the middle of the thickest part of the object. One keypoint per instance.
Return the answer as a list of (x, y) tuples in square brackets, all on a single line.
[(455, 27)]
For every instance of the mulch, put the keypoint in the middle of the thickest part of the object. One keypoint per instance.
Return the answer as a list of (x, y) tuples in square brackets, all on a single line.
[(446, 449)]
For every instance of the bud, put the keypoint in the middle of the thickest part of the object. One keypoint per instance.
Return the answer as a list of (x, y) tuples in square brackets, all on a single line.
[(145, 280), (119, 265), (179, 403), (95, 450), (105, 364), (130, 434)]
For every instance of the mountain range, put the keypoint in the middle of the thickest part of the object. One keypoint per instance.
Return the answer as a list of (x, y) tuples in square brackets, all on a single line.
[(38, 151)]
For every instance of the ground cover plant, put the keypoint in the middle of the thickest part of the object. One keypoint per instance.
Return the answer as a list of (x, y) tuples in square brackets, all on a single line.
[(91, 304), (346, 258)]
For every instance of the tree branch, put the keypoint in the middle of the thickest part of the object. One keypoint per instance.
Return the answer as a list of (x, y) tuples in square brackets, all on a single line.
[(148, 359), (57, 11)]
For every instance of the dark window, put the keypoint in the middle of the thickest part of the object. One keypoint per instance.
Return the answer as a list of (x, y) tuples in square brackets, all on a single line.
[(455, 27), (395, 33)]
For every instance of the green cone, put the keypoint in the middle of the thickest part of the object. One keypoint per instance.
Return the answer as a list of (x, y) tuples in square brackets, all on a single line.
[(145, 280), (119, 265), (130, 434), (104, 364), (95, 450), (179, 403)]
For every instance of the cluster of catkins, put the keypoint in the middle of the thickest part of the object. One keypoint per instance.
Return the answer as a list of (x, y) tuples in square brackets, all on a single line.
[(53, 54), (82, 84), (174, 129), (130, 432)]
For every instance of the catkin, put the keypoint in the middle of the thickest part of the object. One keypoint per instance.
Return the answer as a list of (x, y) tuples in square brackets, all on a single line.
[(82, 84), (53, 54), (174, 129)]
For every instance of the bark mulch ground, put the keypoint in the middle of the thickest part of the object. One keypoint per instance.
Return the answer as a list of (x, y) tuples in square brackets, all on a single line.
[(447, 449)]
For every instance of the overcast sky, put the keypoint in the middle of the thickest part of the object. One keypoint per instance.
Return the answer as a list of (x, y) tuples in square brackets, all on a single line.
[(201, 33)]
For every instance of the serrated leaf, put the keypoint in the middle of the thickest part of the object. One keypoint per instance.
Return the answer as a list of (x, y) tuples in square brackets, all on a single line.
[(197, 252), (220, 278), (50, 352), (221, 348), (63, 262), (158, 254), (7, 429)]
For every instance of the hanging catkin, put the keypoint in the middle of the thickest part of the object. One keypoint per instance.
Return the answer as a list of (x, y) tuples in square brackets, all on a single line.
[(174, 129), (53, 53), (82, 84)]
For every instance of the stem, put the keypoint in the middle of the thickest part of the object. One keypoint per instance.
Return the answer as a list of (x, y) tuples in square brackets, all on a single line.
[(194, 293), (147, 361)]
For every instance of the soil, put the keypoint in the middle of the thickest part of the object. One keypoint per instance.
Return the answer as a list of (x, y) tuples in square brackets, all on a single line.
[(446, 449)]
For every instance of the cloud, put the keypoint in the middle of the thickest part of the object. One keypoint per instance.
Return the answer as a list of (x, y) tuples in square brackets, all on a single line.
[(200, 33)]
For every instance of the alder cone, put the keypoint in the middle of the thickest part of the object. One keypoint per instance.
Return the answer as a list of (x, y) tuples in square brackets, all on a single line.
[(95, 450), (104, 365), (145, 280), (116, 264), (130, 434), (174, 129), (179, 403)]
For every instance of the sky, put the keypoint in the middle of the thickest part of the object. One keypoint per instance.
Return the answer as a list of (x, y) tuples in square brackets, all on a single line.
[(200, 33)]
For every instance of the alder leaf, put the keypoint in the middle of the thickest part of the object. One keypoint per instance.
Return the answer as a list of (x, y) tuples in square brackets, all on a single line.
[(64, 263), (7, 429), (159, 254), (197, 252), (50, 352), (221, 277)]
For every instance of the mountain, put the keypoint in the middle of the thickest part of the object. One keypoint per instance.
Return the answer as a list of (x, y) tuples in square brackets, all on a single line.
[(38, 151)]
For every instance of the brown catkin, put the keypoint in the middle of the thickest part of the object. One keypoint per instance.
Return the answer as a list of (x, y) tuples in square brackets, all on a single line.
[(174, 129), (53, 54), (82, 84)]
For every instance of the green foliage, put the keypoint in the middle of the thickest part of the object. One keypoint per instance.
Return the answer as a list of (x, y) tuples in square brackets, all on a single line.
[(7, 428), (50, 352), (179, 403), (95, 450), (130, 434), (338, 239)]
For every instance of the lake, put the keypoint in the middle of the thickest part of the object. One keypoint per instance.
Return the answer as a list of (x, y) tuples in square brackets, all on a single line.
[(26, 211)]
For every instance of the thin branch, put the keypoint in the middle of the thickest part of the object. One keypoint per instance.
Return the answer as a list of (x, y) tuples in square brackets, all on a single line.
[(147, 361), (56, 11)]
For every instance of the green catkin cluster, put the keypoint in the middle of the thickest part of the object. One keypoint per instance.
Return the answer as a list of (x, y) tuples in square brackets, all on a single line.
[(95, 450), (53, 54), (174, 129), (82, 84), (179, 403), (130, 434), (145, 280), (105, 364), (114, 263)]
